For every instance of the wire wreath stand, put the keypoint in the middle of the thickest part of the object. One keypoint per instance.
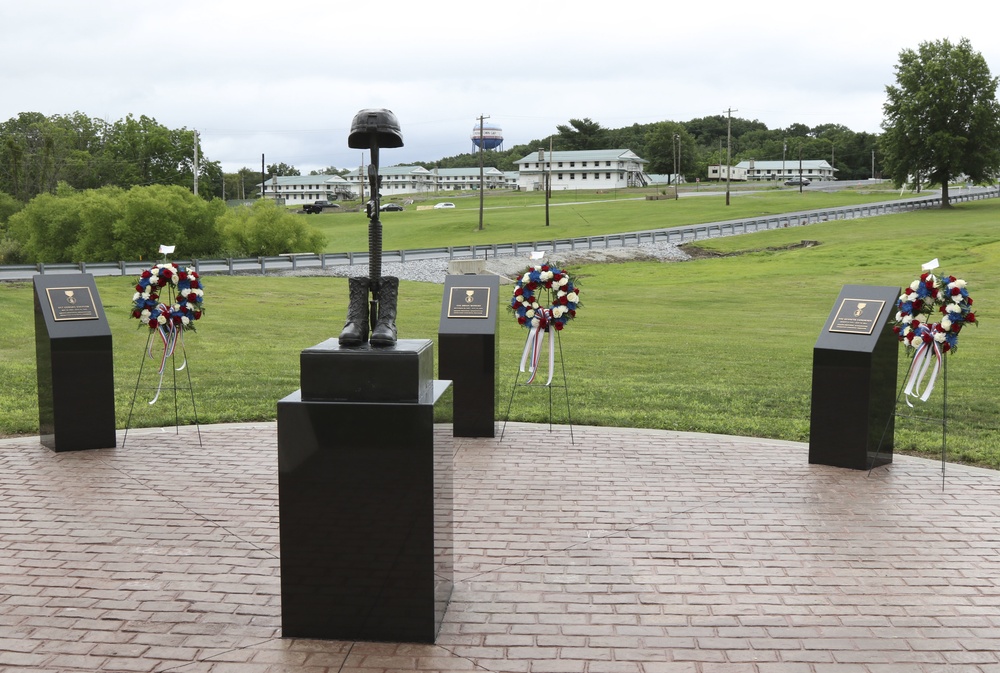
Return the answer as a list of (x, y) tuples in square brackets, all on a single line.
[(943, 421), (548, 384), (174, 387)]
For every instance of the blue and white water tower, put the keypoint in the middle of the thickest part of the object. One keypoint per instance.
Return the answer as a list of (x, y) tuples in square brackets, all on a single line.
[(490, 139)]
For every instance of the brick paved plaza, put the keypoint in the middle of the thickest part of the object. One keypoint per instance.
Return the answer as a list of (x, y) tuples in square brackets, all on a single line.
[(632, 551)]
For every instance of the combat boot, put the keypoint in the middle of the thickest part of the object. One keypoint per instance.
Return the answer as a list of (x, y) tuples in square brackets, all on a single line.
[(384, 332), (355, 330)]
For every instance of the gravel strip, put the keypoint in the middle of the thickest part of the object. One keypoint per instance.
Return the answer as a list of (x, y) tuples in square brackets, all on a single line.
[(507, 266)]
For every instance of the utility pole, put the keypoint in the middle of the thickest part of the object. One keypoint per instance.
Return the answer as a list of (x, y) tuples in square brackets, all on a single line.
[(263, 178), (677, 160), (800, 168), (548, 183), (784, 150), (481, 143), (196, 165), (729, 149)]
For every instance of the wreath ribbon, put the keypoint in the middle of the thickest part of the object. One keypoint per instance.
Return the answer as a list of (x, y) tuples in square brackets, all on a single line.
[(929, 353), (169, 335), (534, 343)]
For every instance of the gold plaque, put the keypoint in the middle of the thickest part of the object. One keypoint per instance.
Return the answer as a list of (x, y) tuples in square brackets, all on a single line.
[(469, 302), (857, 316), (71, 303)]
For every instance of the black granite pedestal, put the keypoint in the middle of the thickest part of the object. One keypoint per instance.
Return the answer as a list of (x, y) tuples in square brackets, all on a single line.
[(468, 351), (854, 381), (75, 365), (365, 497)]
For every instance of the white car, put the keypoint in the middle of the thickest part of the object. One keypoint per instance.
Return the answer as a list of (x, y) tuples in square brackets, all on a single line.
[(444, 205)]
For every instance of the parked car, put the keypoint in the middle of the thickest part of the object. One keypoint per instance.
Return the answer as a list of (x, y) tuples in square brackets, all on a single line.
[(444, 205), (391, 207), (795, 182)]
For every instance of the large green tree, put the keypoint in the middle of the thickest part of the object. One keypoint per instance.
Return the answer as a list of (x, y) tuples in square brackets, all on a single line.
[(942, 119)]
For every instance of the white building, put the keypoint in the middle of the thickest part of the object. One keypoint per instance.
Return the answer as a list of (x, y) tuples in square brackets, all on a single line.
[(717, 172), (582, 169), (813, 169), (396, 180), (468, 178), (399, 180), (300, 189)]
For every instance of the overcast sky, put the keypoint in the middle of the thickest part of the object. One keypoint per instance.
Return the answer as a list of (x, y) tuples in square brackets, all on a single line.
[(285, 78)]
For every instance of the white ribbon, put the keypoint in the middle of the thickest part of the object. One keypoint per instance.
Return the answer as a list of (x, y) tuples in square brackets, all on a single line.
[(927, 354), (169, 334), (533, 347)]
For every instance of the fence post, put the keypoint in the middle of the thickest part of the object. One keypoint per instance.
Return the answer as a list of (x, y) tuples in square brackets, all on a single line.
[(230, 260)]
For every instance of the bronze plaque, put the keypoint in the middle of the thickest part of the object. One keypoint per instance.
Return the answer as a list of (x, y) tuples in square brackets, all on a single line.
[(469, 302), (71, 303), (857, 316)]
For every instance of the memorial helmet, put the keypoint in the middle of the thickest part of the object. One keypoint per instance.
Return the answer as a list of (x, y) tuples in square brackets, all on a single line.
[(379, 125)]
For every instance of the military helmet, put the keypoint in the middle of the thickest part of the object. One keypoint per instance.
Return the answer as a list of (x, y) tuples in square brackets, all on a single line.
[(378, 124)]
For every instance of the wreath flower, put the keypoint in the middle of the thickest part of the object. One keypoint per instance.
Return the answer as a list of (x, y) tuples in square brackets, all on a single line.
[(923, 298), (564, 294), (169, 297)]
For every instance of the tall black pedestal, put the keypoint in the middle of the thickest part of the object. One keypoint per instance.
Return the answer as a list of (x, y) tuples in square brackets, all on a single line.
[(365, 498), (854, 381), (75, 364), (468, 351)]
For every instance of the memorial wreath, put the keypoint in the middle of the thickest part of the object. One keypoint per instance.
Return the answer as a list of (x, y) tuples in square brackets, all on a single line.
[(530, 313), (169, 297), (924, 298), (565, 298)]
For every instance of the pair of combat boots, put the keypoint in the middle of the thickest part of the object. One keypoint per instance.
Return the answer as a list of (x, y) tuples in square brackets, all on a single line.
[(355, 330)]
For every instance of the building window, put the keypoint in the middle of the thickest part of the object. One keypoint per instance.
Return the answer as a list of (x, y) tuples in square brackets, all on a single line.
[(607, 176), (572, 176), (560, 176), (583, 176), (572, 164), (560, 164)]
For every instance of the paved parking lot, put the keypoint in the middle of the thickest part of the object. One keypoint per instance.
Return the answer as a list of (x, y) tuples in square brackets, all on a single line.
[(630, 551)]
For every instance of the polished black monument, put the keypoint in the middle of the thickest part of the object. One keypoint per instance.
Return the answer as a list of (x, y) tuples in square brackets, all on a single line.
[(468, 351), (364, 496), (74, 364), (854, 381)]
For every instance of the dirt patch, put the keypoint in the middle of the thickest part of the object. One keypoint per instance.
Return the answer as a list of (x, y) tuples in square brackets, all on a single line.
[(697, 252)]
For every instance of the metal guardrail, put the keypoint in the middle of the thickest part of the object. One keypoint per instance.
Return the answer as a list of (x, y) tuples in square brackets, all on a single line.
[(676, 235)]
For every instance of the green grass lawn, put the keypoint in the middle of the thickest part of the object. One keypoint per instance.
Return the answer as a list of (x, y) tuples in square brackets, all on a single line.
[(520, 216), (718, 344)]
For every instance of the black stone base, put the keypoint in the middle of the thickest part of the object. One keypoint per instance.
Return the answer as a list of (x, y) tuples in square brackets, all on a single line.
[(469, 362), (852, 422), (365, 515)]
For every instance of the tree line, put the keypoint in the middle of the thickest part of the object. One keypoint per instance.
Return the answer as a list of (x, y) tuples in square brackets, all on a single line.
[(108, 224), (703, 141)]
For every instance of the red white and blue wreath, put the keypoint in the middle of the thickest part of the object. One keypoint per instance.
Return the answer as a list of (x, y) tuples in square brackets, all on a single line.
[(564, 300), (924, 298), (169, 299)]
